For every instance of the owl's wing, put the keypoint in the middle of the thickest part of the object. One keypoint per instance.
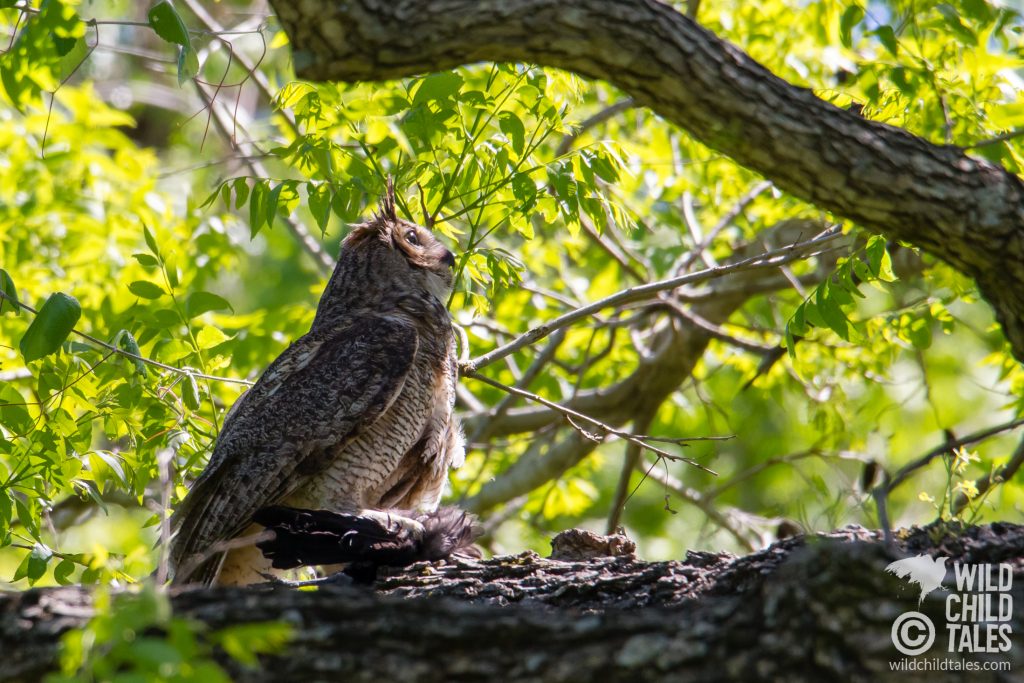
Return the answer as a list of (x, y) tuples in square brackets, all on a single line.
[(318, 395)]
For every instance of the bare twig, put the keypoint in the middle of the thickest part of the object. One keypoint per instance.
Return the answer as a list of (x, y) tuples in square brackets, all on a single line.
[(609, 248), (700, 244), (222, 547), (789, 458), (986, 483), (950, 445), (769, 259), (538, 364), (141, 359), (687, 259), (629, 463), (258, 77), (716, 331), (995, 140), (602, 428), (597, 119), (163, 461), (696, 499), (298, 230)]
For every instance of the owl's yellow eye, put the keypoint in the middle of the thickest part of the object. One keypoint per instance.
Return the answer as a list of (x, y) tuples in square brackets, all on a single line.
[(411, 238)]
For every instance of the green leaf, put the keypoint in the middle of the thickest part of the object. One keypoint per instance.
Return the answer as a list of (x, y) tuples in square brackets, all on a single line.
[(257, 207), (146, 260), (168, 25), (150, 240), (114, 465), (887, 37), (201, 302), (22, 571), (125, 341), (919, 332), (513, 127), (978, 10), (209, 337), (790, 342), (188, 64), (171, 271), (14, 413), (9, 302), (155, 653), (244, 642), (73, 58), (879, 260), (35, 61), (241, 188), (63, 571), (851, 17), (831, 312), (272, 200), (174, 350), (63, 45), (320, 203), (438, 86), (51, 326), (524, 189), (26, 509), (166, 317), (190, 392), (212, 197), (604, 165), (965, 35), (146, 290), (37, 561)]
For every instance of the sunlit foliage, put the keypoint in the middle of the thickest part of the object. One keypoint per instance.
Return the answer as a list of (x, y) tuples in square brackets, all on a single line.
[(181, 242)]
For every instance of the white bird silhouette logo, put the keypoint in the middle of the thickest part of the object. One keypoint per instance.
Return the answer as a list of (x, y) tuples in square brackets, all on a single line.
[(923, 570)]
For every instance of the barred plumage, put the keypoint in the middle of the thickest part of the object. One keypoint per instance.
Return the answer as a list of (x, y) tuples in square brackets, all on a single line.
[(355, 416)]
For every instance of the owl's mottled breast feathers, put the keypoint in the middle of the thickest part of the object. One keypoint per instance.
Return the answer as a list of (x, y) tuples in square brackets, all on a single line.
[(357, 412)]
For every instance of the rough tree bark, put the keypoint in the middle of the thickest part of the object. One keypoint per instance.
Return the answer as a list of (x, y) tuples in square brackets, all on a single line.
[(963, 210), (805, 609)]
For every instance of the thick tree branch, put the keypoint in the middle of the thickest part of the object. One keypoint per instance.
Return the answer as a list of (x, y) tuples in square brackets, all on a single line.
[(676, 349), (802, 610), (966, 211)]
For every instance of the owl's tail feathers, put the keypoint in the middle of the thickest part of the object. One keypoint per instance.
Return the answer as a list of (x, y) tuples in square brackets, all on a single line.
[(365, 541)]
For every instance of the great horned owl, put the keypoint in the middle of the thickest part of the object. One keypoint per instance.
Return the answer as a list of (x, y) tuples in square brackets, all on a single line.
[(356, 416)]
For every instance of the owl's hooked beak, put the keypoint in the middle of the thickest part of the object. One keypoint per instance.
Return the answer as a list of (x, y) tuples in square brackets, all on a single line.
[(448, 259)]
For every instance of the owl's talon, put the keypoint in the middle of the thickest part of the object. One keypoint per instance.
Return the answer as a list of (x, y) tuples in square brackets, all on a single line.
[(395, 523), (335, 579)]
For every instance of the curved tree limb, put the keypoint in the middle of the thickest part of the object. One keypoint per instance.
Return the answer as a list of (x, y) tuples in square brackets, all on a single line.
[(678, 348), (804, 609), (966, 211)]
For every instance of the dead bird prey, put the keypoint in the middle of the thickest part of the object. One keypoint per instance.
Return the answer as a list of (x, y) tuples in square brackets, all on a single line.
[(364, 543)]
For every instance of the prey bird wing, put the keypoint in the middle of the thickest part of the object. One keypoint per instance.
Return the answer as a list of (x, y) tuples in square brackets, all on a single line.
[(272, 442)]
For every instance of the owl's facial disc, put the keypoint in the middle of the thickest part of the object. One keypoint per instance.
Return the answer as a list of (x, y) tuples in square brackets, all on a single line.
[(424, 251)]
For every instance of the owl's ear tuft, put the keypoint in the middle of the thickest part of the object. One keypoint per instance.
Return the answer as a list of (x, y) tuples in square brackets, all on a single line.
[(382, 221), (387, 202)]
